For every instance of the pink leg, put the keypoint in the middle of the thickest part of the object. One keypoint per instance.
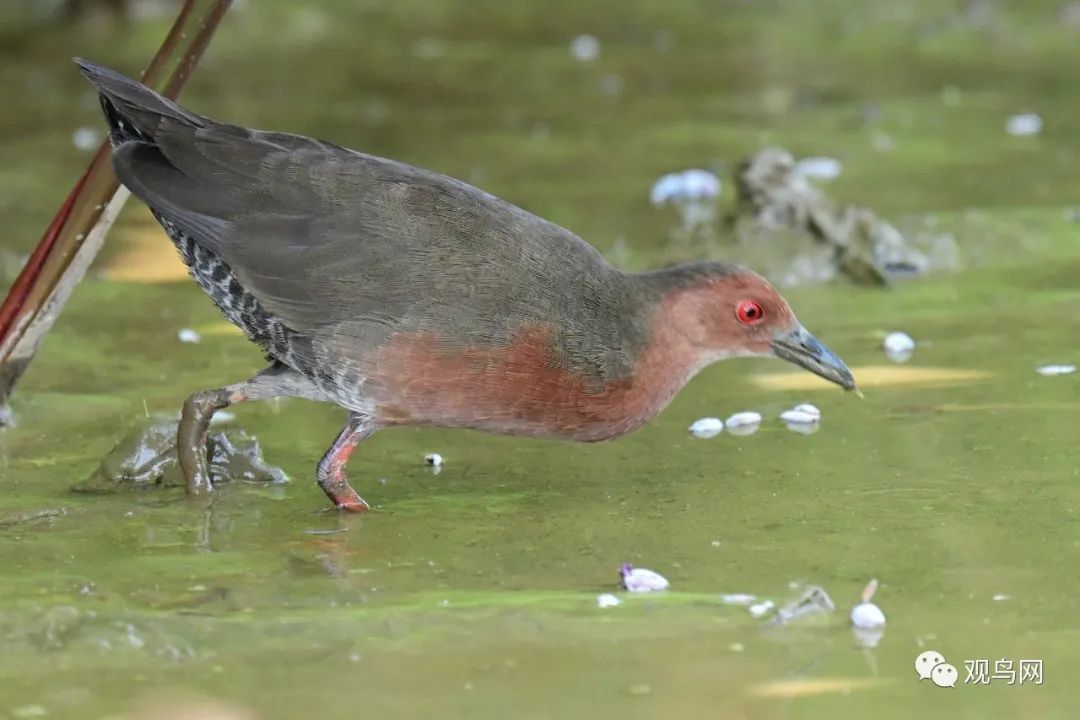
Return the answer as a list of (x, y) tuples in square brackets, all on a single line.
[(331, 471)]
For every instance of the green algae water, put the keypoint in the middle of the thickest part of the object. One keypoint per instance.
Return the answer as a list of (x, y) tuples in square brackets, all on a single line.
[(472, 592)]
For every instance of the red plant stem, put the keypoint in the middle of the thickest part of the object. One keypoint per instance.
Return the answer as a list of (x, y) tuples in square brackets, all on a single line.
[(32, 269), (176, 32), (48, 274), (196, 49)]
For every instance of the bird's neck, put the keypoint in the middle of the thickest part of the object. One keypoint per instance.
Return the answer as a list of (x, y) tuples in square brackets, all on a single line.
[(668, 305)]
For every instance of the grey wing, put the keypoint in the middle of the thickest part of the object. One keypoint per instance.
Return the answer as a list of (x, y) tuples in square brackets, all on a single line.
[(321, 235), (263, 203), (326, 237)]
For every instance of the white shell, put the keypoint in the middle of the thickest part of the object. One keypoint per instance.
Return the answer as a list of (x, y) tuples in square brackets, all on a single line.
[(819, 168), (868, 637), (706, 428), (1024, 125), (867, 615), (762, 608), (798, 417), (737, 599), (685, 186), (187, 335), (585, 48), (803, 428), (642, 580), (86, 139), (808, 409), (434, 459), (1056, 369), (898, 342), (607, 600), (743, 419)]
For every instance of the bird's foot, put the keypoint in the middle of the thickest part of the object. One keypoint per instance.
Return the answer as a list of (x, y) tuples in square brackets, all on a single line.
[(331, 471), (191, 435), (345, 498)]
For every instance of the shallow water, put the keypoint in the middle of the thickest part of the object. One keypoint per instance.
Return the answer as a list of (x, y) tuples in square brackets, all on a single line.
[(472, 592)]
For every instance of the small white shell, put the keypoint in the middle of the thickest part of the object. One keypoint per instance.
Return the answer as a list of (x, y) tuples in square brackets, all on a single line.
[(762, 609), (898, 342), (808, 409), (867, 615), (868, 637), (585, 48), (607, 600), (803, 428), (86, 139), (706, 428), (685, 186), (642, 580), (187, 335), (434, 459), (1024, 125), (737, 599), (819, 168), (743, 419), (798, 417), (1056, 369)]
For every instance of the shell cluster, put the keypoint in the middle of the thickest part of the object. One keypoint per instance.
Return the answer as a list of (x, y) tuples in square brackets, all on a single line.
[(803, 418)]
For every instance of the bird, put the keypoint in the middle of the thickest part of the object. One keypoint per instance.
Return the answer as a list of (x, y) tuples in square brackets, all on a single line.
[(410, 298)]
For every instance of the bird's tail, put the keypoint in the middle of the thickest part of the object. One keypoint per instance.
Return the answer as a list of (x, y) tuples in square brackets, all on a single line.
[(133, 111)]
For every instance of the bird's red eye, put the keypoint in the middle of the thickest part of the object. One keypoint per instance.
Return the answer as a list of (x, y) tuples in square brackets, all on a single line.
[(749, 312)]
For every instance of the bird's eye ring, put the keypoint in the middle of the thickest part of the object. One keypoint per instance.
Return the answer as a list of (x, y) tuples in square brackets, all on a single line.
[(749, 312)]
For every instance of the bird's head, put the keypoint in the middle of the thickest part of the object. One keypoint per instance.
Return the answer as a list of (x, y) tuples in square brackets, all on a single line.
[(729, 311)]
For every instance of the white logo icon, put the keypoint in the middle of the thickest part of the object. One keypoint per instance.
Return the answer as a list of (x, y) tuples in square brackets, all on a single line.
[(944, 675), (925, 663), (931, 665)]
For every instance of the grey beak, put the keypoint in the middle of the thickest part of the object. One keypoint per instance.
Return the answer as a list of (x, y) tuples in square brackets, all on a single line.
[(800, 347)]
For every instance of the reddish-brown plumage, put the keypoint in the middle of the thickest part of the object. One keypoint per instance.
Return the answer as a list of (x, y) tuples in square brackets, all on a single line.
[(526, 387), (521, 388)]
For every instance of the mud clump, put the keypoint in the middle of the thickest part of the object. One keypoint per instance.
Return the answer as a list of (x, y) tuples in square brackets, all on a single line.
[(147, 458), (772, 197)]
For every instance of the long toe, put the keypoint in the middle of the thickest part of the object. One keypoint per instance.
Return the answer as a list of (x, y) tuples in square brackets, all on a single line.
[(356, 506), (345, 498)]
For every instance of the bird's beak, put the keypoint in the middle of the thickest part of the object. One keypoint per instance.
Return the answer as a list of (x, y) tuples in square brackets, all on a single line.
[(803, 349)]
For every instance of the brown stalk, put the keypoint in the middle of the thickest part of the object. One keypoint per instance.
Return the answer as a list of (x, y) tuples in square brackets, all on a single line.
[(76, 233)]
